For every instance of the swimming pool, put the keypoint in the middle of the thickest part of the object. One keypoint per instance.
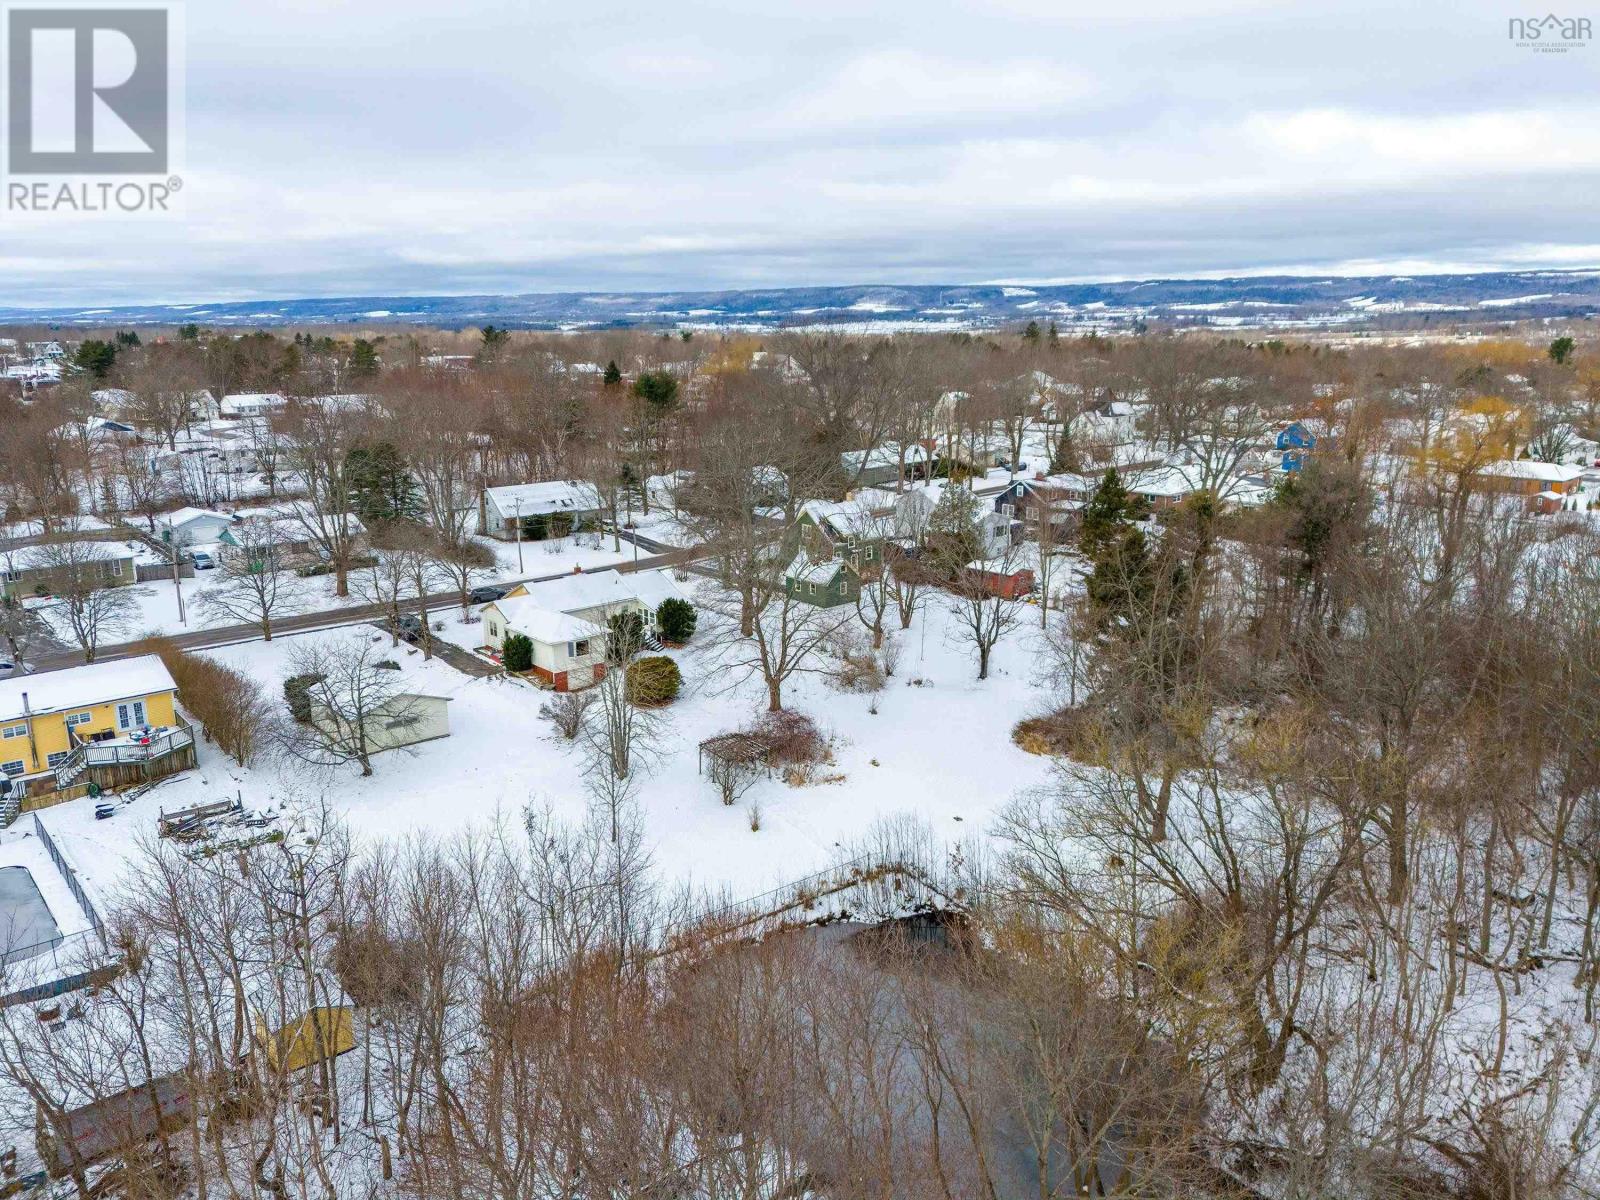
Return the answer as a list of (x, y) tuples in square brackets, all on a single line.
[(26, 926)]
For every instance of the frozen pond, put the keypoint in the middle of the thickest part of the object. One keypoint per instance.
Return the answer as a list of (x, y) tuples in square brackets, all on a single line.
[(26, 926)]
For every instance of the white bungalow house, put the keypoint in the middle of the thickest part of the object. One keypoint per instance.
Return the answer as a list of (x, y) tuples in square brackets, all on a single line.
[(552, 508), (566, 620), (239, 406), (192, 526)]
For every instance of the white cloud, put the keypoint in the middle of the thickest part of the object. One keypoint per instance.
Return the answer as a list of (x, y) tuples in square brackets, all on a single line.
[(396, 146)]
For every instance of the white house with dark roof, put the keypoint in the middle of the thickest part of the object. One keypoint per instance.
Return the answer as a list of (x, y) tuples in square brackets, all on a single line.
[(551, 508), (566, 620)]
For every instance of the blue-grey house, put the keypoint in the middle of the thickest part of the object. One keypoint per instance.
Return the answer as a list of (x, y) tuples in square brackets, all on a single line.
[(1295, 442)]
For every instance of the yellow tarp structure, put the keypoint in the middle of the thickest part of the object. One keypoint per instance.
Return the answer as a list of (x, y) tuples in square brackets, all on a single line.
[(322, 1033)]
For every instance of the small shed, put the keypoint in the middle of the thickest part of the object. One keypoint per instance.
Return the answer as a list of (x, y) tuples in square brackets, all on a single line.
[(402, 720), (998, 579)]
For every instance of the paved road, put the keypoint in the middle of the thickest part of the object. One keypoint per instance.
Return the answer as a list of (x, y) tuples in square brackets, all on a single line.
[(334, 618), (658, 554)]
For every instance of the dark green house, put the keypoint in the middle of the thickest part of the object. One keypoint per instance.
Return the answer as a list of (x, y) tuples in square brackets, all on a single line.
[(826, 583)]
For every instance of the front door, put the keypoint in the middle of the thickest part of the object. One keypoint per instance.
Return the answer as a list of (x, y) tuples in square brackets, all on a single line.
[(131, 715)]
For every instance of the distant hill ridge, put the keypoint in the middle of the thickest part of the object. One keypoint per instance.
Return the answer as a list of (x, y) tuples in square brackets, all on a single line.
[(1253, 302)]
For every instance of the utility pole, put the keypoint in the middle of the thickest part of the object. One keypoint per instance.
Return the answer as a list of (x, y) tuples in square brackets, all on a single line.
[(177, 582), (518, 509)]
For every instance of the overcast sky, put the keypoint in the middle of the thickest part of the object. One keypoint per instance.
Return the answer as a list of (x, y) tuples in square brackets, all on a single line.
[(391, 147)]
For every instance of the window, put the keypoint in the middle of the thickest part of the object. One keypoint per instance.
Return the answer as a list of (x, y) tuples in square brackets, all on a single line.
[(76, 719), (811, 589), (494, 629), (1008, 510), (12, 769), (56, 759), (579, 649), (14, 731)]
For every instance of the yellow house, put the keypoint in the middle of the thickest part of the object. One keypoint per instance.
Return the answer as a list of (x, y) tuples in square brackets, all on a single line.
[(114, 722)]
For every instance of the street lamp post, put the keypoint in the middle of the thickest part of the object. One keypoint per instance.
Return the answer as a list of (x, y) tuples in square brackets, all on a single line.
[(518, 504)]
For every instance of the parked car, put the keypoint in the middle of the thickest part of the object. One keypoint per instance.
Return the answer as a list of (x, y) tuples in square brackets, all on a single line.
[(486, 594), (410, 628), (7, 668), (203, 561)]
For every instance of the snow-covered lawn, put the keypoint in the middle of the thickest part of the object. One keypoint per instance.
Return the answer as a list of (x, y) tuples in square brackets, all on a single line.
[(939, 747)]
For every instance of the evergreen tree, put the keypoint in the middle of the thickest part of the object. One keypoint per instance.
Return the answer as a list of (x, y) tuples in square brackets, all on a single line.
[(96, 357), (659, 392), (1109, 508), (1122, 582), (676, 620), (363, 359), (1031, 333), (517, 653), (954, 534), (189, 332), (613, 375), (1561, 350), (1054, 334), (381, 488)]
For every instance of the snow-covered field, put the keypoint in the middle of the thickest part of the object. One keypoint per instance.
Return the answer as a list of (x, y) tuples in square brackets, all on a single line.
[(938, 747)]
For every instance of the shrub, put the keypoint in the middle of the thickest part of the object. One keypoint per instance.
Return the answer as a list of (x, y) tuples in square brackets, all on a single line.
[(566, 711), (231, 708), (790, 738), (676, 619), (517, 653), (1067, 732), (654, 681), (297, 695)]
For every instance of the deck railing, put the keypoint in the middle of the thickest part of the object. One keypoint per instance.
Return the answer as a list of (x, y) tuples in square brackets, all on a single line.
[(115, 753)]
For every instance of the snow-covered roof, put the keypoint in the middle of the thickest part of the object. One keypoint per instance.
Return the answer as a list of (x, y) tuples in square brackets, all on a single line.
[(528, 615), (1179, 481), (183, 516), (804, 568), (105, 425), (545, 614), (292, 518), (843, 516), (44, 554), (592, 589), (536, 499), (1527, 468), (250, 402), (998, 565), (886, 455), (79, 687)]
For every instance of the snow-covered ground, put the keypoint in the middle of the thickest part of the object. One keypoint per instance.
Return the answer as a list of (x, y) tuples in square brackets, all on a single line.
[(938, 747)]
